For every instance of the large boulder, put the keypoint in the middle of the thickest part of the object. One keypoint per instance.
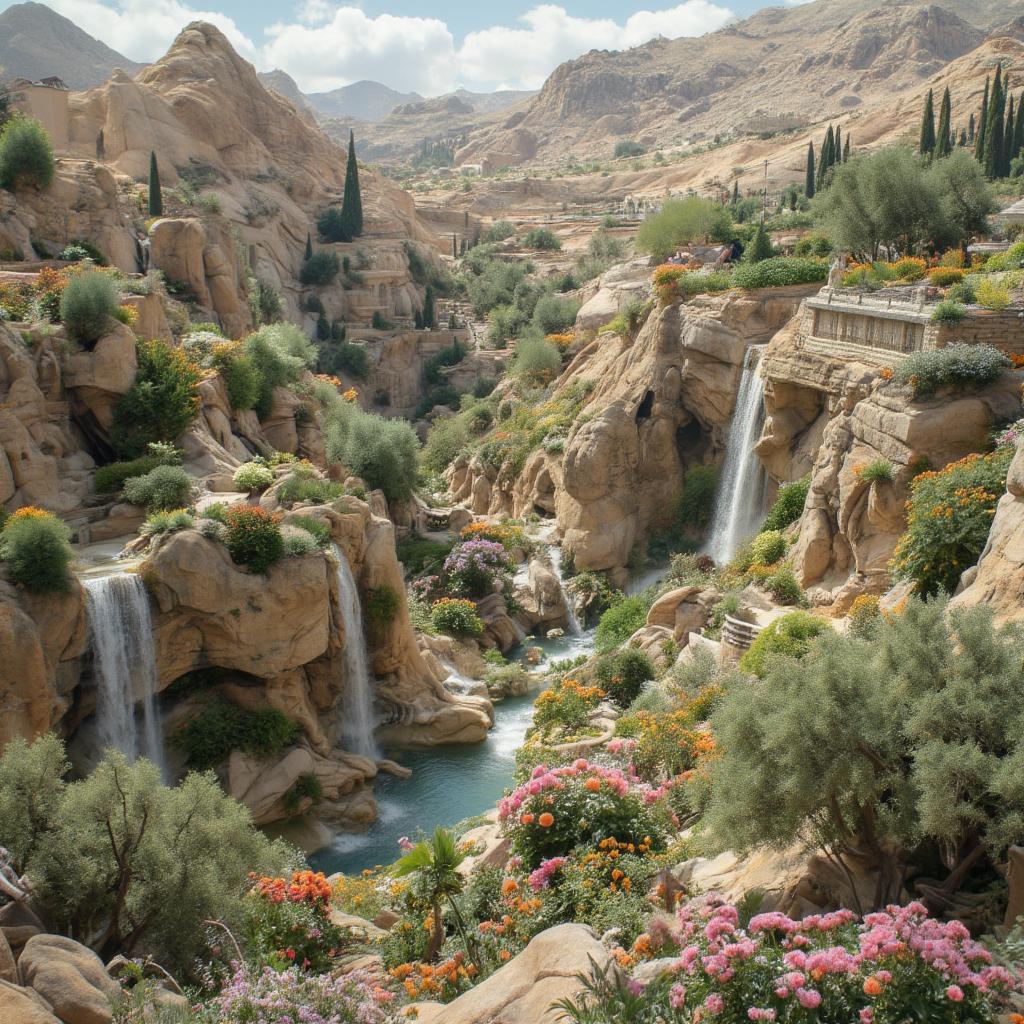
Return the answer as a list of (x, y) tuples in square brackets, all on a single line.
[(524, 989), (70, 977), (23, 1006)]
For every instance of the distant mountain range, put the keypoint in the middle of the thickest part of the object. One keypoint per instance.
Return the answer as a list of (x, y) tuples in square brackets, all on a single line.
[(37, 42)]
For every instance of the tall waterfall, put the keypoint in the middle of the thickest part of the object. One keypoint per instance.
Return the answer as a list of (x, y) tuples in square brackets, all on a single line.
[(739, 504), (570, 613), (124, 660), (359, 719)]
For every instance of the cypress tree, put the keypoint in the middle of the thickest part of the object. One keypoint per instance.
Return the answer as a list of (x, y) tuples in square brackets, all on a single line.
[(994, 127), (429, 315), (837, 149), (309, 246), (963, 138), (979, 144), (809, 179), (352, 203), (971, 129), (828, 149), (926, 145), (417, 320), (1008, 133), (846, 149), (735, 192), (156, 196), (761, 246), (944, 140), (1018, 129)]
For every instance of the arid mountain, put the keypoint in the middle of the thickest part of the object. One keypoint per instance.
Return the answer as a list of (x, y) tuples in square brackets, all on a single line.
[(781, 69), (284, 85), (362, 101), (37, 42)]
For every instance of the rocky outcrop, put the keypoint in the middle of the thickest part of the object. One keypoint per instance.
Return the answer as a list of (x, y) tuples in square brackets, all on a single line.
[(524, 989), (616, 288), (70, 977), (998, 578)]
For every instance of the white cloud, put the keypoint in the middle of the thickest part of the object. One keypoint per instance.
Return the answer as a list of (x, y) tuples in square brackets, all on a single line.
[(325, 45)]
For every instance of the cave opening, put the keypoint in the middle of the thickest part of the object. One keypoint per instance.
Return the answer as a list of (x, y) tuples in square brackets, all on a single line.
[(643, 411)]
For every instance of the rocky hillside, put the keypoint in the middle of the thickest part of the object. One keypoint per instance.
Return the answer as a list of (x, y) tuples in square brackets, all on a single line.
[(780, 70), (362, 101), (36, 42)]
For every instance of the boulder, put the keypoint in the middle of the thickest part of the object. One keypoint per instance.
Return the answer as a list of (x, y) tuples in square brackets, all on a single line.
[(23, 1006), (524, 989), (8, 967), (19, 923), (98, 378), (684, 610), (70, 977)]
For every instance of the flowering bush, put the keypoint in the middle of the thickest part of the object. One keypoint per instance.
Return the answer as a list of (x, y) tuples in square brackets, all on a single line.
[(949, 517), (475, 566), (253, 537), (893, 966), (623, 674), (960, 366), (253, 476), (580, 804), (34, 545), (567, 704), (291, 997), (288, 922), (442, 981), (1009, 436), (456, 617), (510, 535)]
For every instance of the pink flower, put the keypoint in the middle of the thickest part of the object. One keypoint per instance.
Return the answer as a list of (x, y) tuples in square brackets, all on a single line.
[(867, 1015), (405, 843), (759, 1013), (677, 996), (714, 1003), (810, 999), (955, 992)]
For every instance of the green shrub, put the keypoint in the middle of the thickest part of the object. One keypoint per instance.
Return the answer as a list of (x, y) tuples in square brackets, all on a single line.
[(950, 516), (419, 555), (789, 504), (318, 529), (382, 452), (622, 676), (447, 439), (450, 355), (536, 360), (943, 277), (331, 225), (696, 501), (791, 636), (111, 478), (621, 620), (992, 295), (498, 232), (784, 587), (877, 471), (299, 543), (963, 292), (167, 521), (949, 312), (243, 382), (26, 156), (87, 305), (80, 249), (34, 545), (541, 239), (629, 148), (958, 366), (222, 728), (279, 352), (380, 607), (123, 863), (251, 477), (161, 403), (306, 787), (683, 220), (253, 537), (457, 617), (865, 617), (345, 357), (320, 269), (303, 485), (779, 272), (552, 314), (161, 488), (767, 547)]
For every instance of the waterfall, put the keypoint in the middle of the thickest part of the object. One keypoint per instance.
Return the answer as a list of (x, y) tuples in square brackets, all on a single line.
[(358, 717), (570, 613), (739, 503), (124, 660)]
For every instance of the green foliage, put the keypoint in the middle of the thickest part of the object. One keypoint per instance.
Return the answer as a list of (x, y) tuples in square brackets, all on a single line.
[(26, 156), (253, 537), (760, 247), (950, 516), (789, 504), (279, 353), (789, 636), (992, 295), (382, 452), (450, 355), (167, 521), (380, 606), (816, 243), (784, 586), (552, 314), (420, 555), (498, 232), (877, 471), (318, 529), (87, 305), (928, 750), (123, 863), (242, 381), (681, 221), (446, 440), (696, 502), (221, 728), (959, 366), (164, 487), (949, 311), (111, 478), (155, 198), (767, 547), (302, 484), (622, 676), (536, 360), (161, 403), (621, 620), (331, 228), (629, 148), (456, 617), (299, 544), (542, 239), (352, 200), (34, 546), (320, 269), (961, 293), (345, 357), (779, 272), (253, 476)]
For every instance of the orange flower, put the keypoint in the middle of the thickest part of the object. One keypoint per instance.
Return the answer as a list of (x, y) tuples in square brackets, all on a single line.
[(872, 986), (527, 819), (505, 955), (509, 886), (546, 820), (594, 785)]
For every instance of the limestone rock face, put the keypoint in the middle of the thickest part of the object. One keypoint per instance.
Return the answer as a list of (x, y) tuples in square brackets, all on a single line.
[(97, 379), (23, 1006), (616, 288), (70, 977), (524, 989), (998, 580)]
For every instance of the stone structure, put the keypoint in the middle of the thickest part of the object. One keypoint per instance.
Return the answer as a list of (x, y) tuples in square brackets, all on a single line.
[(46, 101)]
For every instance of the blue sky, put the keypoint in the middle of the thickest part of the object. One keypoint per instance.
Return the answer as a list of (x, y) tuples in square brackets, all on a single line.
[(430, 48)]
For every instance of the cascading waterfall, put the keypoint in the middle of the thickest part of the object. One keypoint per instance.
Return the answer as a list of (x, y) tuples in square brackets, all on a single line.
[(556, 563), (359, 719), (124, 660), (739, 505)]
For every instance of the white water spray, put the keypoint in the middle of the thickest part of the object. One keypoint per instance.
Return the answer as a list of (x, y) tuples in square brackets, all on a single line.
[(570, 613), (358, 717), (124, 660), (739, 505)]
